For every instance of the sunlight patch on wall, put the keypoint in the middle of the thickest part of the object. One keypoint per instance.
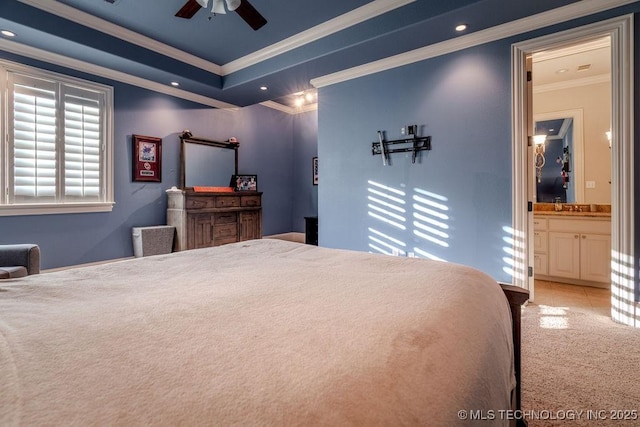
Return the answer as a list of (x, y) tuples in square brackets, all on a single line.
[(430, 216), (386, 205), (425, 254), (623, 306), (383, 243), (514, 260)]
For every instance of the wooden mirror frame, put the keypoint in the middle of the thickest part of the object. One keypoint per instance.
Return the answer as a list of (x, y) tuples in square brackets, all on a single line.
[(188, 138)]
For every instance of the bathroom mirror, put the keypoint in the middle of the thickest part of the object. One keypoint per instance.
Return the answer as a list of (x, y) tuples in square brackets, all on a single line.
[(589, 155), (206, 162)]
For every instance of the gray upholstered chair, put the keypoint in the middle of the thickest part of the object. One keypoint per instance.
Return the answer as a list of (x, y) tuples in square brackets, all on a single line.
[(19, 260)]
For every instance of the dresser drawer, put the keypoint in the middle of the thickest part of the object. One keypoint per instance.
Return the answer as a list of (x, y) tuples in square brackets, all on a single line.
[(225, 217), (227, 201), (248, 201), (199, 202), (219, 241), (225, 230)]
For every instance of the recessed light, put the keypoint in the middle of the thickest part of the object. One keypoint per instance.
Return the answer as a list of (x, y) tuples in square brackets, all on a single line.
[(263, 88), (562, 71), (175, 84), (8, 33), (461, 27)]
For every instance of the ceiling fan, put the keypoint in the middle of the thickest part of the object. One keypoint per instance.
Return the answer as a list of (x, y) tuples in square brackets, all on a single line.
[(242, 7)]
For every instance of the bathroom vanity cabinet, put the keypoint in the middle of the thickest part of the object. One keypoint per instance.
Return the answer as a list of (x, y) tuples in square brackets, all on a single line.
[(573, 249)]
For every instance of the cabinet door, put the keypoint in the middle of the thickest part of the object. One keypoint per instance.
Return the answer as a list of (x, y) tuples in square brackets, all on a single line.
[(564, 254), (540, 264), (540, 241), (199, 231), (595, 257), (250, 225)]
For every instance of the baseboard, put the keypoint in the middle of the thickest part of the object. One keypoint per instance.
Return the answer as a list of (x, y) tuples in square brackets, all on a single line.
[(291, 237), (89, 264)]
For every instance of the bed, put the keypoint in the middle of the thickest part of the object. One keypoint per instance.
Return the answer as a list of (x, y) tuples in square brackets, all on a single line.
[(262, 332)]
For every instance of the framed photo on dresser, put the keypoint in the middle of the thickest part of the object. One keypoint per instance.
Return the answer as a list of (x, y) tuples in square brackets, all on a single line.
[(244, 182)]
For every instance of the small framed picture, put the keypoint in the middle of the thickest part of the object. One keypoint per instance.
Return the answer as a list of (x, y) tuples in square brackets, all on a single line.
[(244, 182), (315, 171), (147, 158)]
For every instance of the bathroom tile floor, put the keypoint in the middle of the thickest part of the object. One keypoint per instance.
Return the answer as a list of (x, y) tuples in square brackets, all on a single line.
[(585, 298)]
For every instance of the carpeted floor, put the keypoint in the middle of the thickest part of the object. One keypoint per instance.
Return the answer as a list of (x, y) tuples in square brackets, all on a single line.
[(579, 367)]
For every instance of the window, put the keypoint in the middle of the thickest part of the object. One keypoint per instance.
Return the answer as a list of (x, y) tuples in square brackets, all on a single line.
[(57, 153)]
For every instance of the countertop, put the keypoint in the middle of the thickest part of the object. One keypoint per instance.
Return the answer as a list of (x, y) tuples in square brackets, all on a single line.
[(574, 213), (573, 210)]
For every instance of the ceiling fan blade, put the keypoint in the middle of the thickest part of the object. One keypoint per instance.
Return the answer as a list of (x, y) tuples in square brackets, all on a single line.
[(250, 15), (189, 9)]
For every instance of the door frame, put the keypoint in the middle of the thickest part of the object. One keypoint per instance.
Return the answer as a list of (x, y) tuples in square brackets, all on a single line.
[(620, 29)]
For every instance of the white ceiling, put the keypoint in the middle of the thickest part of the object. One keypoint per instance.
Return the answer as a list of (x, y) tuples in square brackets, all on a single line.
[(580, 64)]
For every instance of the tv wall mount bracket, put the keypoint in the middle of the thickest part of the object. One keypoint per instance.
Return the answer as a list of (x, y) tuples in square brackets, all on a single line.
[(408, 145)]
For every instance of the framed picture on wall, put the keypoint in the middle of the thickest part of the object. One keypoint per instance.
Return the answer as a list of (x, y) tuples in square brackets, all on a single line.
[(244, 182), (147, 158), (315, 171)]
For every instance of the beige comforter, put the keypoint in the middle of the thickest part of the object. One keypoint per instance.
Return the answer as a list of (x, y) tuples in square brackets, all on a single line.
[(264, 332)]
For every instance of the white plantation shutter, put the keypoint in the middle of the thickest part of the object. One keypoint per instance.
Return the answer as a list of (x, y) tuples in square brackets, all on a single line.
[(34, 140), (59, 151), (82, 147)]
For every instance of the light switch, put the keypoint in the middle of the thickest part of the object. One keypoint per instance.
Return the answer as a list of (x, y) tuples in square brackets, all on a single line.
[(591, 184)]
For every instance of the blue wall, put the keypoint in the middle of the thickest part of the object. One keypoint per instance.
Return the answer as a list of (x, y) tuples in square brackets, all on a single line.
[(266, 140), (455, 201), (455, 204), (305, 148)]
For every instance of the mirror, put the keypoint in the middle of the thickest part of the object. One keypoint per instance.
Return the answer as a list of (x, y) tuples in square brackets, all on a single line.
[(589, 155), (554, 161), (205, 162)]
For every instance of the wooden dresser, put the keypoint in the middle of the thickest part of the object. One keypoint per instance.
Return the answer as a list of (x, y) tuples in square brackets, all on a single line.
[(213, 219)]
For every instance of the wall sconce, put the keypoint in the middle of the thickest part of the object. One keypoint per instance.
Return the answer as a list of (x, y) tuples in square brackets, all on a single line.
[(538, 141), (608, 133)]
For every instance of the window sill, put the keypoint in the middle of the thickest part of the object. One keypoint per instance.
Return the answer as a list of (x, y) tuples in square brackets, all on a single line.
[(51, 208)]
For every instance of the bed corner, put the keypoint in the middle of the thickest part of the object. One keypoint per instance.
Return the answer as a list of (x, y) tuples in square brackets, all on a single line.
[(516, 296)]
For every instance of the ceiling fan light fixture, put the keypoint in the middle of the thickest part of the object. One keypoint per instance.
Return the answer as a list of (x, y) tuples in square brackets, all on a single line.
[(202, 3), (233, 4), (218, 7)]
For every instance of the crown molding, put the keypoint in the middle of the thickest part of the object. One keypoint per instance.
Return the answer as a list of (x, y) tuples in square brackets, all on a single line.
[(90, 21), (98, 70), (569, 84), (601, 43), (509, 29), (290, 110), (361, 14), (349, 19)]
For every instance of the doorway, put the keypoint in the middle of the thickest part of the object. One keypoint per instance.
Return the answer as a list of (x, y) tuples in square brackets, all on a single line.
[(619, 30)]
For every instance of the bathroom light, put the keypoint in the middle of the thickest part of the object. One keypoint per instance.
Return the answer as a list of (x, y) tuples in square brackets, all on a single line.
[(538, 141)]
